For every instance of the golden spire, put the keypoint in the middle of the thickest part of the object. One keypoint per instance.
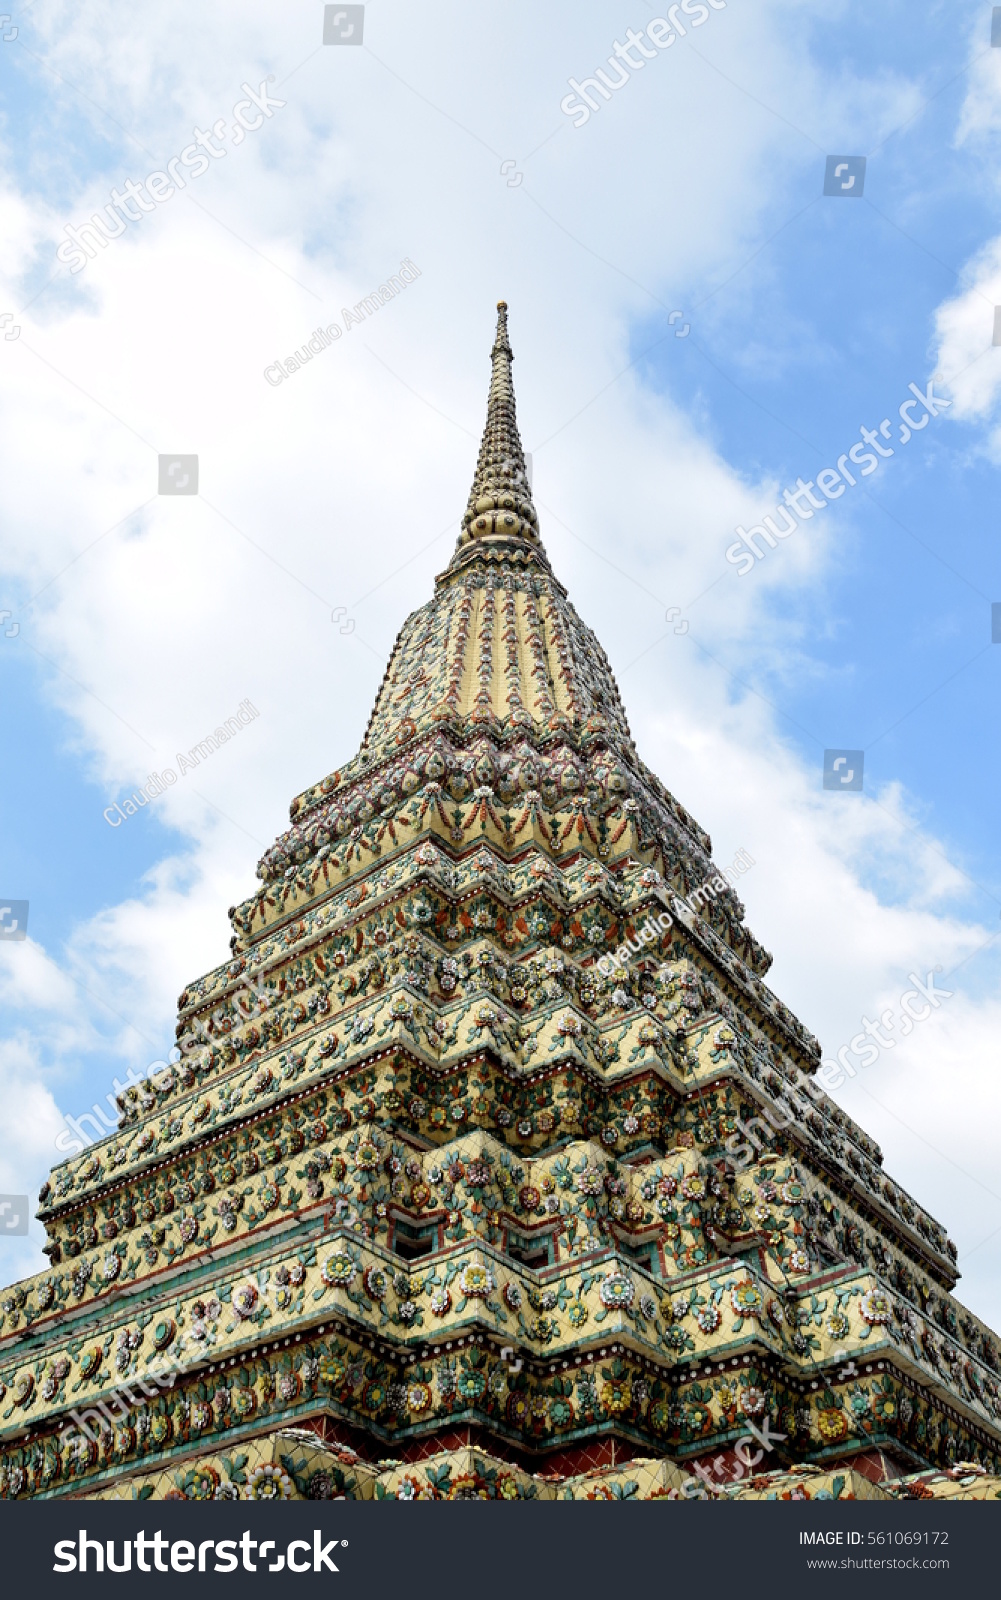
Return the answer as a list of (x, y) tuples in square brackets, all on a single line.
[(500, 501)]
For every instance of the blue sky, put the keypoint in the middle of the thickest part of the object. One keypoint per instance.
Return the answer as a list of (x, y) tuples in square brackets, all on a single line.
[(699, 188), (905, 616), (819, 335)]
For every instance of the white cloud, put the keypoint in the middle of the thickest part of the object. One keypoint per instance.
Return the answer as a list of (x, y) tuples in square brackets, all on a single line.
[(932, 1104), (31, 979), (964, 329), (964, 323), (31, 1120)]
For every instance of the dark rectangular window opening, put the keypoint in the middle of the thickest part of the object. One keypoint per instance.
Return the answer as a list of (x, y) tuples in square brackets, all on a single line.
[(645, 1255), (534, 1253), (412, 1243)]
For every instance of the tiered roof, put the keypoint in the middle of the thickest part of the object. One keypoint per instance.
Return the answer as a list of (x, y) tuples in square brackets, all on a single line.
[(426, 1185)]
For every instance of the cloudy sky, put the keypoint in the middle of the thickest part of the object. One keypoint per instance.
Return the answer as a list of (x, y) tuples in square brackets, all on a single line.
[(697, 327)]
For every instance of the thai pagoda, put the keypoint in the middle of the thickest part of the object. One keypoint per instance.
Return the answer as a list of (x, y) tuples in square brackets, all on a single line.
[(490, 1165)]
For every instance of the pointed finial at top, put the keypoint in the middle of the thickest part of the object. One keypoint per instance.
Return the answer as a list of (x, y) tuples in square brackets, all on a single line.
[(500, 501)]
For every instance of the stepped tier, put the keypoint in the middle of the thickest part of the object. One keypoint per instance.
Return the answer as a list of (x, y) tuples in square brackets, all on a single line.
[(433, 1180), (299, 1464)]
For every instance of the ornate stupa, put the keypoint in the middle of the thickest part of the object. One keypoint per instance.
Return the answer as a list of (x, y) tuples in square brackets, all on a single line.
[(490, 1165)]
